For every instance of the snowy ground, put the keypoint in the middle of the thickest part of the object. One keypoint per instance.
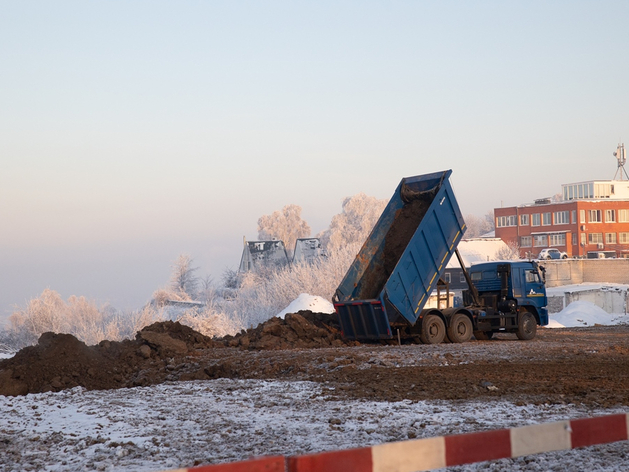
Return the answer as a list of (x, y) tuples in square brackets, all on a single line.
[(186, 423), (175, 425)]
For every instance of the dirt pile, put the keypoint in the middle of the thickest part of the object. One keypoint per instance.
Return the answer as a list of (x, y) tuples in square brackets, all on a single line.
[(304, 329), (160, 352), (579, 365), (61, 361)]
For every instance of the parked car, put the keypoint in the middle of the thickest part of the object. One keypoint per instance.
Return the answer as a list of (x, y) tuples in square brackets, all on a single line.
[(552, 253)]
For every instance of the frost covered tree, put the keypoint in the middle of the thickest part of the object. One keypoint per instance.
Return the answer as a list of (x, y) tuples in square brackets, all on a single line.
[(353, 225), (477, 226), (285, 225), (511, 251), (183, 281), (49, 312)]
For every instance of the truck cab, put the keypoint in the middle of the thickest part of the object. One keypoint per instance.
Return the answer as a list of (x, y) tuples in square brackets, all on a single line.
[(508, 291)]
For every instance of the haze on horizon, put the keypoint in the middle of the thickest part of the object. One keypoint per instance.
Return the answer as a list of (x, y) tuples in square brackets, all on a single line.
[(132, 132)]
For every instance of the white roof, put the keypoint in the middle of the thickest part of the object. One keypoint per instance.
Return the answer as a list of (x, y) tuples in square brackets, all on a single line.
[(477, 250)]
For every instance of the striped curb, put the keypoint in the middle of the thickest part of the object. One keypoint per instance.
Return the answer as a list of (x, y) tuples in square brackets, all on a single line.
[(445, 451)]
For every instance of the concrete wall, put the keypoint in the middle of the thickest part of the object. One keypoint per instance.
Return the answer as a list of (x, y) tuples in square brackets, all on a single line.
[(610, 299), (578, 271)]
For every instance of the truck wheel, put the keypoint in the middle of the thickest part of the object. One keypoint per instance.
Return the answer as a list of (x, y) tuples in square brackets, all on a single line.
[(433, 330), (460, 329), (527, 326), (483, 335)]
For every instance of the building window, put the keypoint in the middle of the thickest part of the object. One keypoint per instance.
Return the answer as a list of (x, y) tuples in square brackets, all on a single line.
[(574, 239), (595, 238), (574, 217), (623, 216), (447, 277), (540, 240), (575, 191), (610, 216), (594, 216), (610, 238), (584, 237), (557, 239), (582, 216), (603, 190), (535, 219), (525, 241), (623, 238), (462, 278), (562, 217), (503, 221), (546, 219), (524, 220)]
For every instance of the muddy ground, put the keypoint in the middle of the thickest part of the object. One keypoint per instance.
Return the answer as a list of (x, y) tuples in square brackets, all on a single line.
[(574, 365)]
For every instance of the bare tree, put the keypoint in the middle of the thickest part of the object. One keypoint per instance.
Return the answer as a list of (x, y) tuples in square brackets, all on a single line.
[(183, 280), (356, 220), (285, 225)]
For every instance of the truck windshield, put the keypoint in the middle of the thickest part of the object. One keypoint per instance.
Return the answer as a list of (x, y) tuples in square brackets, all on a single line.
[(532, 276)]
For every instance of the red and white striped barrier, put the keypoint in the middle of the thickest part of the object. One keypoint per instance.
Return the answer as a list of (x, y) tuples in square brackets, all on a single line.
[(445, 451)]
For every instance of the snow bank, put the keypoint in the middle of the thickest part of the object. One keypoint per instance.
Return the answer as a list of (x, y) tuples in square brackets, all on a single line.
[(581, 313), (304, 301)]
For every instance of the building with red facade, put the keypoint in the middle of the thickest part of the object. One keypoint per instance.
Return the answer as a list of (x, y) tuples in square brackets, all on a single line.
[(590, 220)]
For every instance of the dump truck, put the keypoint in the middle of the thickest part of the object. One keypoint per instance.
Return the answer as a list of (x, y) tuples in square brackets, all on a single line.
[(385, 290)]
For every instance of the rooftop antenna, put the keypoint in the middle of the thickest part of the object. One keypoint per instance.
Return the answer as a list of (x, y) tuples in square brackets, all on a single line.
[(622, 158)]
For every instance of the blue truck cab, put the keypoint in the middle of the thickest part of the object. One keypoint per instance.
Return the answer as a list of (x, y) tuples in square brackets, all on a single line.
[(510, 296)]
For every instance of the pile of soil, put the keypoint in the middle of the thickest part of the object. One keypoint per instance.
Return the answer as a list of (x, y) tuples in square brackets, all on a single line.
[(304, 329), (157, 354), (576, 365)]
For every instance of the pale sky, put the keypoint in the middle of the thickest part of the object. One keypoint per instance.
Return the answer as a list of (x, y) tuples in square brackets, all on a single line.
[(132, 132)]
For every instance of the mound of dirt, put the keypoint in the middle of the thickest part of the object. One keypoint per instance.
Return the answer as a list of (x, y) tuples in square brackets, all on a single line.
[(304, 329), (158, 352), (61, 361)]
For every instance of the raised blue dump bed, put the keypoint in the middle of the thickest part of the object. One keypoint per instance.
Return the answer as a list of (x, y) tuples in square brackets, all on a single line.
[(400, 263)]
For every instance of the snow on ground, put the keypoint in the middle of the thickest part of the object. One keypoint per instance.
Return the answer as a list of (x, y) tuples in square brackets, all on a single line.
[(173, 425), (179, 424), (304, 301), (582, 313)]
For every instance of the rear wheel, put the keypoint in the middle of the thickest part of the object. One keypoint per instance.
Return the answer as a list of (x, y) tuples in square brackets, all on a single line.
[(433, 330), (527, 326), (460, 329), (483, 335)]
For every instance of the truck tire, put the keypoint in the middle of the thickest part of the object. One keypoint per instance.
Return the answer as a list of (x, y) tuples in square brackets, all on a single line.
[(433, 330), (527, 326), (483, 335), (460, 329)]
